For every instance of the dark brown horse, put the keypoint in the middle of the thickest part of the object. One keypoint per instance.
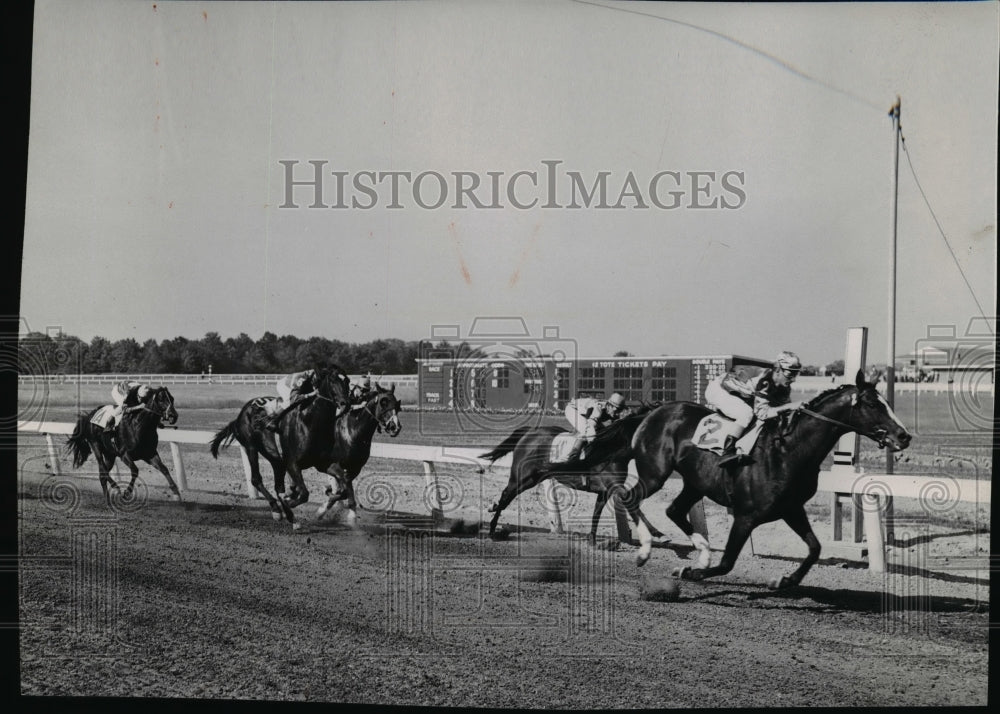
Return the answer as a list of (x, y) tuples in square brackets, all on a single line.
[(531, 448), (136, 438), (349, 451), (304, 435), (782, 475)]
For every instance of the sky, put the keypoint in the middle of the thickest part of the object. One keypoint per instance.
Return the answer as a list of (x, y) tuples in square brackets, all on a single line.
[(165, 140)]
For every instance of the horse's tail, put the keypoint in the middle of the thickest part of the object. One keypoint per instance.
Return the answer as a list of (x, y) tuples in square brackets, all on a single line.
[(612, 444), (507, 445), (223, 438), (77, 445)]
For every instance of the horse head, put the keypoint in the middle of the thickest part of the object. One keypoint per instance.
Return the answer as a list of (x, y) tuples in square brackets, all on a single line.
[(386, 407), (333, 384), (863, 410), (161, 402)]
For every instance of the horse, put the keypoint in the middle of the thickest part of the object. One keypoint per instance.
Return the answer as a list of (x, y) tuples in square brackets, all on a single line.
[(348, 452), (304, 434), (137, 439), (781, 476), (531, 448)]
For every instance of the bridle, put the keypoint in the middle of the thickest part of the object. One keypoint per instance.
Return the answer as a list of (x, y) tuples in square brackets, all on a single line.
[(379, 424), (878, 435), (143, 406)]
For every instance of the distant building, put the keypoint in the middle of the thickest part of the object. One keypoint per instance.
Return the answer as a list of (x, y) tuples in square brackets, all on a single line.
[(532, 383), (962, 361)]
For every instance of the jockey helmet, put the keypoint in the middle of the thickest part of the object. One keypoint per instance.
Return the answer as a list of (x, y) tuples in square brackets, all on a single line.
[(616, 401), (788, 362), (142, 392)]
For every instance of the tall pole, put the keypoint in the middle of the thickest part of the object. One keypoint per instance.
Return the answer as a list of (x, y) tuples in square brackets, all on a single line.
[(890, 365)]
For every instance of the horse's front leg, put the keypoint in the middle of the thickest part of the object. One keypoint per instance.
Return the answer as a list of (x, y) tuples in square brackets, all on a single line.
[(134, 470), (158, 464), (799, 522), (742, 526), (338, 478)]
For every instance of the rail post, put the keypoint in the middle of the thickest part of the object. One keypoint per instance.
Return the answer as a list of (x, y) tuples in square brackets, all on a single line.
[(53, 455), (431, 489), (551, 501), (872, 508), (248, 475), (175, 451)]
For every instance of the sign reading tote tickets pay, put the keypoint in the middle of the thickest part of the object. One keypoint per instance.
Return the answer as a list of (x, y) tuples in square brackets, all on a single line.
[(712, 431)]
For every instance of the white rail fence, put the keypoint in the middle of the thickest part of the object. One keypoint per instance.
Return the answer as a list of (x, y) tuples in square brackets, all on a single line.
[(866, 490), (401, 380)]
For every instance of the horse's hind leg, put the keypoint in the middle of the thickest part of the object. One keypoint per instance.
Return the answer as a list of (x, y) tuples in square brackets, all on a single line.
[(104, 464), (678, 511), (278, 508), (602, 499), (515, 486), (738, 534), (799, 522)]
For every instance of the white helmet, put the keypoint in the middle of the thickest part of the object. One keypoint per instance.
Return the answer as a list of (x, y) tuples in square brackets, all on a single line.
[(788, 362)]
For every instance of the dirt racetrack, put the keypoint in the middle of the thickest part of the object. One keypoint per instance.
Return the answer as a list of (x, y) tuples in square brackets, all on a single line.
[(210, 598)]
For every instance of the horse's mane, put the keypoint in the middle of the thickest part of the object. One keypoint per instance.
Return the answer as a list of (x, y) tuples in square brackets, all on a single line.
[(824, 395), (785, 423)]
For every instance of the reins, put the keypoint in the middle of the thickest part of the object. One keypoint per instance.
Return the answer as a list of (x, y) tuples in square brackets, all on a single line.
[(878, 436)]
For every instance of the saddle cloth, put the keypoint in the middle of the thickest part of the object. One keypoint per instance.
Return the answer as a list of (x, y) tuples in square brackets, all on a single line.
[(561, 446), (712, 430), (269, 405), (102, 415)]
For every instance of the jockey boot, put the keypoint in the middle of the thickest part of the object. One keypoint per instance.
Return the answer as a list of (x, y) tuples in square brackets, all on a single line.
[(578, 445), (730, 455)]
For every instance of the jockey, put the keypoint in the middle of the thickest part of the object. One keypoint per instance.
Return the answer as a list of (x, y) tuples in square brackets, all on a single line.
[(360, 391), (119, 393), (293, 389), (584, 413), (764, 397)]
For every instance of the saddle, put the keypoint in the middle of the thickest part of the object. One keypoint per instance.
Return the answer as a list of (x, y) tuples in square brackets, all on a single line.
[(269, 405), (712, 430), (561, 446), (103, 415)]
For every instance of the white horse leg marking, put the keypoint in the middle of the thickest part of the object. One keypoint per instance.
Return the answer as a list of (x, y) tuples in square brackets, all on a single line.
[(645, 544), (704, 552)]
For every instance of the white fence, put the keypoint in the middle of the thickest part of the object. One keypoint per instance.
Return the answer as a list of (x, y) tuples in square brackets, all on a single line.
[(401, 380), (865, 489)]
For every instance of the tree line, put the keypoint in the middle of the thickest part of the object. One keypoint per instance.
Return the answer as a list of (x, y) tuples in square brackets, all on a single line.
[(39, 354)]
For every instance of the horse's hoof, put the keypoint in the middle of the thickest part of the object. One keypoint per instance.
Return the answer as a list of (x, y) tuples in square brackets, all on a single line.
[(641, 558), (296, 525), (683, 573), (779, 583)]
